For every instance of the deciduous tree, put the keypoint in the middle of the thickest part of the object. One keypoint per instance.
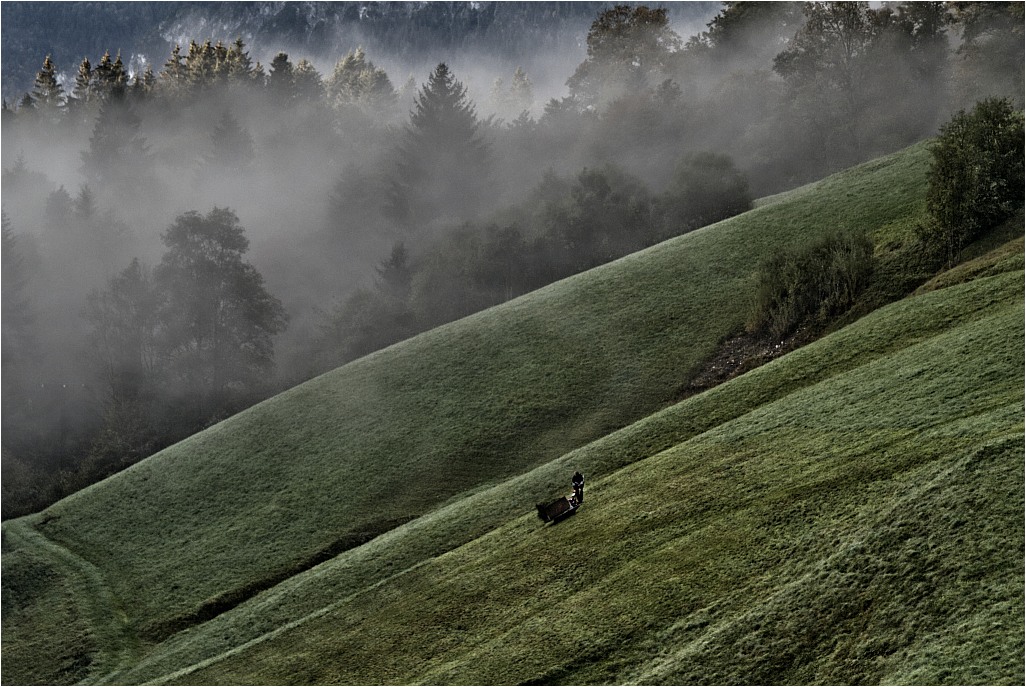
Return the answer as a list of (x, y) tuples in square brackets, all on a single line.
[(218, 320), (976, 177), (629, 50)]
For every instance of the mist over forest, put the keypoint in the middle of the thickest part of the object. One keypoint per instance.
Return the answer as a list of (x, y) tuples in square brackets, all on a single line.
[(185, 237)]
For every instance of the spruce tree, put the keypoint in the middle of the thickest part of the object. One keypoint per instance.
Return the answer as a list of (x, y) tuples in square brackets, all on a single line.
[(116, 150), (85, 203), (281, 83), (149, 81), (307, 83), (200, 65), (442, 159), (109, 78), (240, 66), (173, 75), (48, 93), (231, 146), (521, 91), (60, 209), (83, 90), (18, 342)]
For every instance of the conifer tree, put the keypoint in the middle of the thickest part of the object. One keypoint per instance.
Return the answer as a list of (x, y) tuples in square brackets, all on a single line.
[(395, 275), (281, 83), (442, 158), (173, 75), (83, 90), (355, 81), (498, 98), (240, 66), (48, 93), (115, 148), (109, 77), (231, 146), (85, 203), (200, 64), (521, 91), (149, 81), (307, 83), (519, 97), (27, 103), (18, 341), (60, 209)]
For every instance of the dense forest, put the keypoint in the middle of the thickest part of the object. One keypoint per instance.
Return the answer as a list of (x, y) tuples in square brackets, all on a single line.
[(185, 239)]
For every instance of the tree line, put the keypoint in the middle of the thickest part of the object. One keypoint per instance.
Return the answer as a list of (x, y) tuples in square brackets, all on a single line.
[(232, 229)]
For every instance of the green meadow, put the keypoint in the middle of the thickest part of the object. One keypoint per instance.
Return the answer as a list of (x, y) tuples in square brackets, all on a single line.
[(850, 512)]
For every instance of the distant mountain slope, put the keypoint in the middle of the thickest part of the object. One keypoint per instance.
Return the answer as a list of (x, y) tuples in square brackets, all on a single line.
[(395, 32), (457, 431)]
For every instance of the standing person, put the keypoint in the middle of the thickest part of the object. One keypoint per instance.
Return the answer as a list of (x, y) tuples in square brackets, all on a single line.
[(578, 481)]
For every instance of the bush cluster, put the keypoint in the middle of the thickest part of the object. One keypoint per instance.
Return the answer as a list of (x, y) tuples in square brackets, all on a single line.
[(810, 285), (976, 177)]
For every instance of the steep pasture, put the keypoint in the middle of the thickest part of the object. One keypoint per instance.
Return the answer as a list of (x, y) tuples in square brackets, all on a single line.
[(853, 514)]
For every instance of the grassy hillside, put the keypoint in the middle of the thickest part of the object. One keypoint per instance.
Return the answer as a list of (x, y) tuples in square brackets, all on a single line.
[(870, 484), (459, 430)]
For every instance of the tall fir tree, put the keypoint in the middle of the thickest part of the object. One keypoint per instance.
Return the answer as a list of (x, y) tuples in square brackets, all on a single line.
[(521, 91), (281, 82), (47, 91), (442, 160), (109, 78), (231, 146), (307, 83), (173, 75), (83, 90), (117, 152), (241, 69)]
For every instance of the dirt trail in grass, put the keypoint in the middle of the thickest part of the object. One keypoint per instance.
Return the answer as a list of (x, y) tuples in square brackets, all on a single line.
[(101, 610)]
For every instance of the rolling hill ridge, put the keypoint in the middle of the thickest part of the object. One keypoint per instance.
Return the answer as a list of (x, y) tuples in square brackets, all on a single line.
[(375, 525)]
